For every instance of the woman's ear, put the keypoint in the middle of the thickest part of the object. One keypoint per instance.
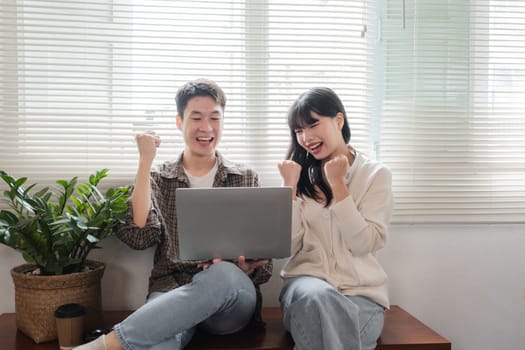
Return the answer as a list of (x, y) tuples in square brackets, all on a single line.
[(340, 120)]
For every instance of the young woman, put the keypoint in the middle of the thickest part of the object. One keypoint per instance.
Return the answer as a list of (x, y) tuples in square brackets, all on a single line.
[(335, 291)]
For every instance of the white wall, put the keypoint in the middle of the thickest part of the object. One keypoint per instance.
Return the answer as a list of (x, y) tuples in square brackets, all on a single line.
[(466, 282)]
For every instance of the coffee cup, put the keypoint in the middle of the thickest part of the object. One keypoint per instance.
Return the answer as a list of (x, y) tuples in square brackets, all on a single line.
[(70, 325)]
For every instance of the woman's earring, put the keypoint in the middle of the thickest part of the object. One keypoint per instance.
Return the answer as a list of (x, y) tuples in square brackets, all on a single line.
[(312, 174)]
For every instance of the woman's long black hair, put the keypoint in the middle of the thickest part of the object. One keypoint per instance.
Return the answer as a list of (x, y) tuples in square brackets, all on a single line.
[(324, 102)]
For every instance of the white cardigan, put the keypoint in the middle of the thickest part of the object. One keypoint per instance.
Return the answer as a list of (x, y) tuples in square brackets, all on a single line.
[(338, 243)]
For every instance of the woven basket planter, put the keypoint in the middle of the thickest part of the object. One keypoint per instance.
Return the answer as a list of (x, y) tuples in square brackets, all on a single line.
[(37, 297)]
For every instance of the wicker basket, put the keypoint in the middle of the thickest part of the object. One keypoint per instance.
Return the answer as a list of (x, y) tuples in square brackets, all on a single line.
[(37, 297)]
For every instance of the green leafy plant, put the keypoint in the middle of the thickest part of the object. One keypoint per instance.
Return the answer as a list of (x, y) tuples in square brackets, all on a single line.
[(56, 229)]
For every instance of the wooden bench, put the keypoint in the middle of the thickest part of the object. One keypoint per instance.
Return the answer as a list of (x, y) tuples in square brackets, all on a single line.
[(401, 332)]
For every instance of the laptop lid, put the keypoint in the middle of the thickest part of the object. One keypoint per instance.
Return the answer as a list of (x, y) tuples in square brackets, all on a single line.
[(227, 222)]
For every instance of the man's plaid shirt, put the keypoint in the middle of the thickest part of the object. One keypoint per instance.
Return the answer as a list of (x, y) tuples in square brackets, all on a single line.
[(161, 228)]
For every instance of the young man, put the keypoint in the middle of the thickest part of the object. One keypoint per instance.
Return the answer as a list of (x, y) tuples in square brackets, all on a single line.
[(220, 296)]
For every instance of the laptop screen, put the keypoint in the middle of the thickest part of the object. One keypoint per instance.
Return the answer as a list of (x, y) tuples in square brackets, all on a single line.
[(227, 222)]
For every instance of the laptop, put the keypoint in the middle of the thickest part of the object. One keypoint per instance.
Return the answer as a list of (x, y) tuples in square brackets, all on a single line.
[(227, 222)]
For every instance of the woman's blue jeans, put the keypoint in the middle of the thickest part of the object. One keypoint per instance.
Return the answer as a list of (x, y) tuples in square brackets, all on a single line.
[(319, 317), (221, 299)]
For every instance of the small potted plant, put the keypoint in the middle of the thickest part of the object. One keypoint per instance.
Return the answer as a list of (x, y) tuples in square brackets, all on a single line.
[(55, 229)]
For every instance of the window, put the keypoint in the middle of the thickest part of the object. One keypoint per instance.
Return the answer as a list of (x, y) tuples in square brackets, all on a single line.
[(80, 79), (452, 119), (435, 89)]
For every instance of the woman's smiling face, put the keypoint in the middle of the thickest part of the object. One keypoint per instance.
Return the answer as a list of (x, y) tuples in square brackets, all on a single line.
[(322, 138)]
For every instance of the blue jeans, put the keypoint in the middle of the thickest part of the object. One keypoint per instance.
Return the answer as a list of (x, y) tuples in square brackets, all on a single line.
[(221, 299), (319, 317)]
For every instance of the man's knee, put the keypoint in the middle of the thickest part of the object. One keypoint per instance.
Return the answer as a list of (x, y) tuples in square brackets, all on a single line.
[(225, 277), (226, 272)]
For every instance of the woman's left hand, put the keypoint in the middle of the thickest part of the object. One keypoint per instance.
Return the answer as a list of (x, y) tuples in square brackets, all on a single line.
[(335, 170)]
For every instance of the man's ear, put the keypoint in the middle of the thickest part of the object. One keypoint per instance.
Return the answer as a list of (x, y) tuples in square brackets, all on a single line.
[(178, 122)]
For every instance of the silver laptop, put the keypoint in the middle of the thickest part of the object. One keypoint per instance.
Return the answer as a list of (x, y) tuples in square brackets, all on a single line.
[(227, 222)]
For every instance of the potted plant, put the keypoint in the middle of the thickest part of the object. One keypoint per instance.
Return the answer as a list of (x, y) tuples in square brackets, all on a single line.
[(55, 229)]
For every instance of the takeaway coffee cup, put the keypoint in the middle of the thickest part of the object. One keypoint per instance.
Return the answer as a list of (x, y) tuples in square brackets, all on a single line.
[(70, 325)]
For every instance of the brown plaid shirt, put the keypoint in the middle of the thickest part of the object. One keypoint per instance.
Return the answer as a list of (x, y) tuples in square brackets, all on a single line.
[(161, 228)]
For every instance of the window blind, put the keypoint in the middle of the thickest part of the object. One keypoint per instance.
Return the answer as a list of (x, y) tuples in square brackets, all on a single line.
[(433, 89), (452, 116), (80, 78)]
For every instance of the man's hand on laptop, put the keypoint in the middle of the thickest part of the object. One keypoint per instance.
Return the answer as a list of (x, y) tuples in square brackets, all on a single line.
[(206, 265), (249, 265), (246, 265)]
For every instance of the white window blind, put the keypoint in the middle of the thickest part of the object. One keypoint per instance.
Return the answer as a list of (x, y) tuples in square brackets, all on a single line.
[(453, 110), (80, 78), (435, 88)]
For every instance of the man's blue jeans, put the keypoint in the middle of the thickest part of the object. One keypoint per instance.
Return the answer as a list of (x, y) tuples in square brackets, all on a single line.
[(319, 317), (221, 299)]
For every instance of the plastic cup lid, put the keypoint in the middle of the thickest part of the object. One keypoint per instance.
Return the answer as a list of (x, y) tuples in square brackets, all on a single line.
[(70, 310)]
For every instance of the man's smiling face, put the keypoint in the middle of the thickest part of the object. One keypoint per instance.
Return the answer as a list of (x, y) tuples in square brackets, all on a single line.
[(201, 126)]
